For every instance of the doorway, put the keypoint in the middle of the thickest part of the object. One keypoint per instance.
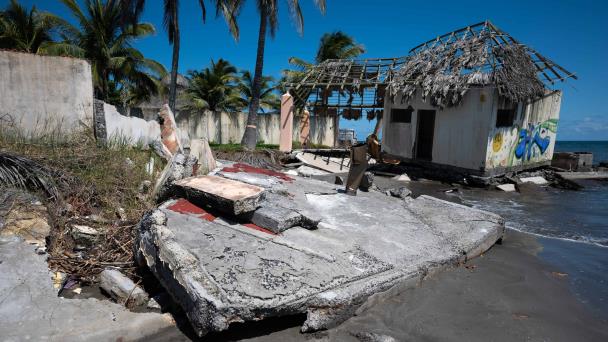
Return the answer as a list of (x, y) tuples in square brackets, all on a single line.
[(424, 137)]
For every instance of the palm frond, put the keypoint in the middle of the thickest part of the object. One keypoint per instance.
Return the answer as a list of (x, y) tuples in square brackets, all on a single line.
[(24, 173)]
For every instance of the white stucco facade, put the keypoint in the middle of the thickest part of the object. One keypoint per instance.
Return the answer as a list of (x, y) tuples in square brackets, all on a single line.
[(466, 136)]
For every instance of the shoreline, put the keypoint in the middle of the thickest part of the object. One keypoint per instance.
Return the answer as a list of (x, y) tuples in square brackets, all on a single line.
[(508, 293)]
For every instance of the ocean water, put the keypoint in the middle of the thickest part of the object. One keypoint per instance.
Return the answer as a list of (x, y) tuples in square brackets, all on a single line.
[(572, 227), (598, 148)]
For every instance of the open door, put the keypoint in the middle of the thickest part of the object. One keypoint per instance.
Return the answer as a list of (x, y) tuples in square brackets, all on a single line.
[(425, 134)]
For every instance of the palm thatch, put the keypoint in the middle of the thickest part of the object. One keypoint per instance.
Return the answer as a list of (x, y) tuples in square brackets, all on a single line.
[(20, 172), (442, 70)]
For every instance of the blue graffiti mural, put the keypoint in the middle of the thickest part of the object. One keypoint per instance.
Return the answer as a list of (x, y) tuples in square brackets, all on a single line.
[(530, 137)]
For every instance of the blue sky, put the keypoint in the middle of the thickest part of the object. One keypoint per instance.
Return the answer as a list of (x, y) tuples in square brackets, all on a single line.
[(571, 33)]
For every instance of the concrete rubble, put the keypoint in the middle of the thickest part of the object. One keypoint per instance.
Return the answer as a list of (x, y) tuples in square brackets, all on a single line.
[(84, 235), (121, 288), (229, 196), (305, 247)]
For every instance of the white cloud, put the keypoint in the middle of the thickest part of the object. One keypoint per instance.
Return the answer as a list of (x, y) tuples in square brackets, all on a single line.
[(586, 128)]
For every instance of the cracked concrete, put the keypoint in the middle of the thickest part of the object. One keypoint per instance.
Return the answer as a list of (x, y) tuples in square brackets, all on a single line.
[(222, 272), (31, 310)]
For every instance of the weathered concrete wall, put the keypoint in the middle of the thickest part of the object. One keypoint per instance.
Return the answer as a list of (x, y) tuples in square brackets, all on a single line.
[(459, 134), (207, 125), (44, 93), (531, 139)]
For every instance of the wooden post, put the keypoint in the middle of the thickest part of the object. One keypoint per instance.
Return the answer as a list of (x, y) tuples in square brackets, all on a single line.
[(286, 129), (305, 129)]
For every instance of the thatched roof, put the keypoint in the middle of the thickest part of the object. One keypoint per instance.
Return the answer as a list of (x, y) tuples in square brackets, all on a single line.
[(443, 69)]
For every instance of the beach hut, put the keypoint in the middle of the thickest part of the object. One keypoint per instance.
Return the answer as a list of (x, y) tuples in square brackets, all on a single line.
[(475, 100)]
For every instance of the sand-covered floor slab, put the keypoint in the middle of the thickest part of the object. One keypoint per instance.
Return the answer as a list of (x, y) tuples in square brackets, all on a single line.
[(222, 272)]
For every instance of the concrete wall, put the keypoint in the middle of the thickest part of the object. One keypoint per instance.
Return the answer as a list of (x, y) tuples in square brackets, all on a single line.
[(207, 125), (531, 139), (43, 93), (460, 132)]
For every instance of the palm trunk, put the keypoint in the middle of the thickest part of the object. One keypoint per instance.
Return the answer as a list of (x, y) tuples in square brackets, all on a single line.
[(174, 64), (251, 133)]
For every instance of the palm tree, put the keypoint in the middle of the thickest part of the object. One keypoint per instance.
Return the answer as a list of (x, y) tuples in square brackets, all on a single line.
[(24, 30), (269, 100), (335, 45), (134, 8), (214, 88), (269, 21), (102, 39)]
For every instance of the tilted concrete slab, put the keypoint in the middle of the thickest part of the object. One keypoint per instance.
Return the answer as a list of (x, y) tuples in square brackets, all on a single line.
[(230, 196), (222, 272), (31, 310)]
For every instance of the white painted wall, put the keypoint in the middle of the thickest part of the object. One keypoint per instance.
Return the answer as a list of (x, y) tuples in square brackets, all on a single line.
[(207, 125), (537, 121), (460, 132), (45, 93), (135, 130)]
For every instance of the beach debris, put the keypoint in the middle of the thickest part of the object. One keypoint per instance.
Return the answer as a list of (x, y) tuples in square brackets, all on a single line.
[(307, 171), (121, 288), (84, 235), (178, 167), (161, 150), (150, 166), (507, 187), (201, 150), (559, 274), (402, 178), (373, 337), (538, 180), (328, 164), (226, 195), (520, 316), (401, 192)]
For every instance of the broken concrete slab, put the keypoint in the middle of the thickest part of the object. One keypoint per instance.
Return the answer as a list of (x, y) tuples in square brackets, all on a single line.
[(276, 219), (201, 150), (168, 130), (222, 272), (506, 187), (178, 167), (226, 195), (307, 171), (538, 180), (31, 309), (121, 288)]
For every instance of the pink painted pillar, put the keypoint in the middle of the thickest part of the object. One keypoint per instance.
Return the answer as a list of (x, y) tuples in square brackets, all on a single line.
[(286, 133), (305, 128)]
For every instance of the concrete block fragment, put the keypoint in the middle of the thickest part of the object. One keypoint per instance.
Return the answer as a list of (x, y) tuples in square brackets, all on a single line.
[(506, 187), (401, 192), (201, 150), (121, 288), (168, 130), (84, 235), (226, 195), (276, 219), (307, 171)]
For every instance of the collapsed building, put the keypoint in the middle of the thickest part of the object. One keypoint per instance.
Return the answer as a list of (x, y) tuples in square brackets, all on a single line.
[(475, 100)]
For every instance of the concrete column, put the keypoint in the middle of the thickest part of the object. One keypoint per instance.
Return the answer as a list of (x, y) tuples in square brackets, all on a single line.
[(305, 128), (286, 133)]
